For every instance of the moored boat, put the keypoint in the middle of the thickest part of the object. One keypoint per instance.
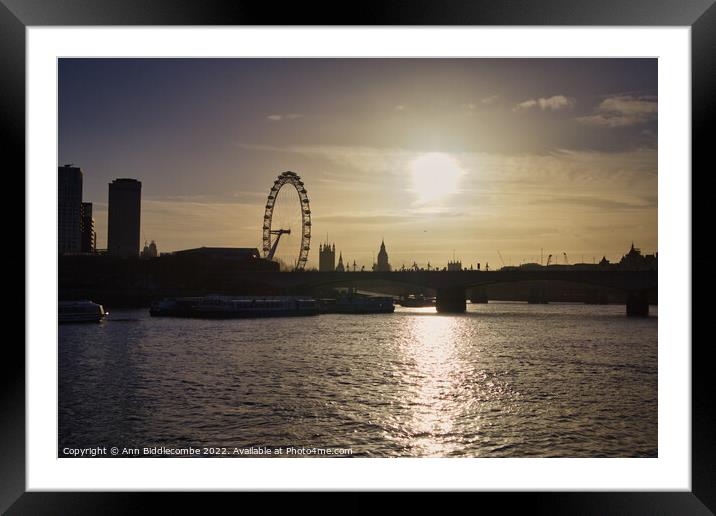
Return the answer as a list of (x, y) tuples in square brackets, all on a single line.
[(174, 307), (80, 311), (413, 301), (357, 305), (235, 307)]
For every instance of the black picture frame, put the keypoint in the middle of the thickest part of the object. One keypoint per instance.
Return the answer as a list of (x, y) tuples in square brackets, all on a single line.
[(700, 15)]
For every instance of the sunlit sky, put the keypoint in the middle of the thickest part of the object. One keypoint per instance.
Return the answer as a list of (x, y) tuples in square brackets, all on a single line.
[(436, 156)]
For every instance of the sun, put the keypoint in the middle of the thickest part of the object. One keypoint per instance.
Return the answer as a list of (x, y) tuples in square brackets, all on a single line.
[(435, 176)]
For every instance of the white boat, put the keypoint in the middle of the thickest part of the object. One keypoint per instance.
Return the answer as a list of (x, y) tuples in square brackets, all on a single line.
[(80, 311)]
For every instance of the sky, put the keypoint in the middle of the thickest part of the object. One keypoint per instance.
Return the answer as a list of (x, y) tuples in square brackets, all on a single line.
[(485, 160)]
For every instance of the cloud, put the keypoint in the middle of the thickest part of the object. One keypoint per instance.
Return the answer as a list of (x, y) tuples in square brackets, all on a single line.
[(372, 165), (623, 111), (225, 197), (553, 103), (366, 218), (487, 101), (286, 116), (599, 203), (509, 202), (372, 162)]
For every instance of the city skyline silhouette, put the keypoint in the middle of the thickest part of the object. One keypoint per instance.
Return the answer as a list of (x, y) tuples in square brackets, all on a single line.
[(485, 157), (359, 257)]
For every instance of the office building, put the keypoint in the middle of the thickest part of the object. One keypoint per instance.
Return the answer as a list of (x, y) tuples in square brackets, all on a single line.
[(69, 209), (125, 197), (88, 234)]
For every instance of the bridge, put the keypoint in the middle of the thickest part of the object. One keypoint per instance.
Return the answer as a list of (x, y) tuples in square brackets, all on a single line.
[(451, 286)]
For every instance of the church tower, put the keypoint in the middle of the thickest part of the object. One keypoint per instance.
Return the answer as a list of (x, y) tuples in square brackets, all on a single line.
[(327, 257), (383, 265), (340, 267)]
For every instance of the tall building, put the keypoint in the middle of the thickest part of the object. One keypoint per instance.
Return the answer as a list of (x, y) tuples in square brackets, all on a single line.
[(125, 199), (89, 236), (69, 209), (340, 267), (454, 265), (327, 257), (382, 265), (150, 250)]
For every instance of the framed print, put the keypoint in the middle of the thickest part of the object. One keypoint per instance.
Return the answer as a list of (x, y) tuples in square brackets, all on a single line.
[(419, 252)]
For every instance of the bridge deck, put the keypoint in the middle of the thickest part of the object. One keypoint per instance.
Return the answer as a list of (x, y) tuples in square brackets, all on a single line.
[(617, 279)]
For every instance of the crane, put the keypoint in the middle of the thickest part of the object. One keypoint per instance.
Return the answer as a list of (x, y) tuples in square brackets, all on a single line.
[(501, 259), (278, 233)]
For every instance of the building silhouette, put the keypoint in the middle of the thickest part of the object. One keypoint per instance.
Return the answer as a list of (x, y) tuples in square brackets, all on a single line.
[(454, 265), (125, 197), (327, 257), (217, 262), (149, 251), (634, 260), (69, 209), (340, 267), (382, 264), (88, 233)]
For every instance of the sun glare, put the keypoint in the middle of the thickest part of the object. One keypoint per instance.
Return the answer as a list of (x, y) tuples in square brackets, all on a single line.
[(435, 176)]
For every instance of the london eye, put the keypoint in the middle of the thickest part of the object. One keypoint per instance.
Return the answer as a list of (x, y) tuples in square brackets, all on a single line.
[(272, 236)]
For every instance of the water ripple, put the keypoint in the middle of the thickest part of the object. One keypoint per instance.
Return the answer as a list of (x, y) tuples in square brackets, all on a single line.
[(503, 380)]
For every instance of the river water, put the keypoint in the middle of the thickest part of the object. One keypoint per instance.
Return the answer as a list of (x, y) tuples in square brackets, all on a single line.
[(502, 380)]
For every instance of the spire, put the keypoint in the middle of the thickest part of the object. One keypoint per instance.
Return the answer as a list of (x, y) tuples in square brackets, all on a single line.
[(382, 264)]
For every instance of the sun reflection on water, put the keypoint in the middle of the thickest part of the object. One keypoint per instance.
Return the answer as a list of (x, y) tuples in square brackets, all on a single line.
[(435, 377), (498, 381)]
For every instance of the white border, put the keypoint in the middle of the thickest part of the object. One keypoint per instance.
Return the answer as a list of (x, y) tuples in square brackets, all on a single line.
[(670, 471)]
